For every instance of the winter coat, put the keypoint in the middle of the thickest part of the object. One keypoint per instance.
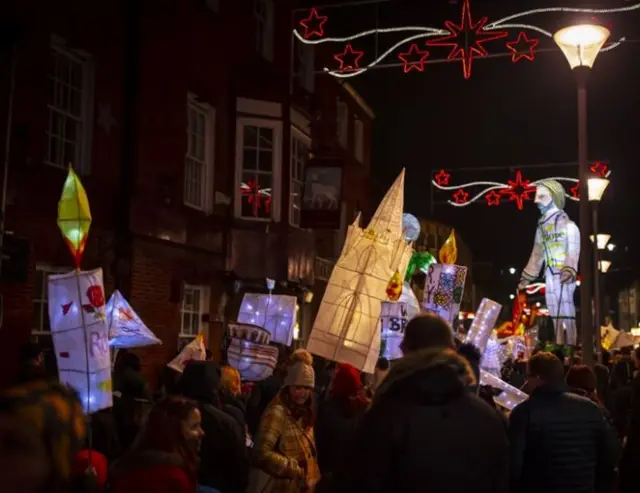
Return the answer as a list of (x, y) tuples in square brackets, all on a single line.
[(261, 396), (286, 450), (426, 432), (560, 442), (151, 471), (224, 461), (335, 427)]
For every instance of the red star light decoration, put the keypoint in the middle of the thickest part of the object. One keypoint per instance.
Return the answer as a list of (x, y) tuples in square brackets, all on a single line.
[(575, 190), (599, 168), (493, 198), (442, 178), (461, 197), (314, 24), (413, 59), (462, 47), (352, 56), (519, 190), (523, 47)]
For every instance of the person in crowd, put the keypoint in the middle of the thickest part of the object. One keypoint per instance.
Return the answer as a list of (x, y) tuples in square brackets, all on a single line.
[(286, 448), (30, 363), (621, 388), (560, 442), (47, 423), (338, 417), (471, 353), (630, 462), (230, 394), (266, 390), (581, 380), (164, 458), (132, 397), (601, 371), (424, 429), (88, 472), (224, 461), (379, 374)]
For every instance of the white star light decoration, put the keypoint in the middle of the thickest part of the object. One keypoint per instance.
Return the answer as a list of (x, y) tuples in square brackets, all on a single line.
[(453, 35), (518, 190)]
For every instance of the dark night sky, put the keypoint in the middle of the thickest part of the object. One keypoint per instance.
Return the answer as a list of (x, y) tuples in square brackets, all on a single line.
[(505, 115)]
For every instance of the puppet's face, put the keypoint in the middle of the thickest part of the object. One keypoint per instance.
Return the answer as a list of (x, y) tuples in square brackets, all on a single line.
[(543, 199)]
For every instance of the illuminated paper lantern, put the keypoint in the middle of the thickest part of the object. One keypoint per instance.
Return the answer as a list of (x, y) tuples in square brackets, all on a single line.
[(80, 336), (74, 216), (483, 323), (276, 313), (493, 357), (443, 291), (393, 320), (126, 330), (249, 352), (194, 351), (509, 396), (449, 251), (347, 326)]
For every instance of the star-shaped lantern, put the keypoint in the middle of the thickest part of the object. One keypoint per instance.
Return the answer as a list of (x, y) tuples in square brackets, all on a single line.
[(575, 191), (523, 47), (599, 168), (349, 59), (493, 198), (519, 190), (461, 197), (314, 24), (442, 178), (467, 39), (413, 59)]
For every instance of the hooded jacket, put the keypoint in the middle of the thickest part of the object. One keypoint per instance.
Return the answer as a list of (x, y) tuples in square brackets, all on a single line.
[(224, 461), (426, 432)]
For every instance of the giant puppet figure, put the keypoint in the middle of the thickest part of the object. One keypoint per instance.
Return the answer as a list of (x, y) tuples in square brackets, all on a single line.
[(557, 245)]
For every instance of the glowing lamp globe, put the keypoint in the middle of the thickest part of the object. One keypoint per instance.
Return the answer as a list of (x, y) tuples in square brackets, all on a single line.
[(604, 266), (597, 187), (601, 240), (581, 43)]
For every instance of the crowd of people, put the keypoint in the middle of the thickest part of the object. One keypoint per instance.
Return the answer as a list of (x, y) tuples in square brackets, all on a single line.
[(422, 423)]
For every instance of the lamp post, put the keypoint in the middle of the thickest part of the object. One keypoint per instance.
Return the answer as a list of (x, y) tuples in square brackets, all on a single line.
[(581, 44), (596, 187)]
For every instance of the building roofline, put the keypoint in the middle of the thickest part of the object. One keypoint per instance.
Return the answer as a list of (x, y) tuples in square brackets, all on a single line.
[(359, 99)]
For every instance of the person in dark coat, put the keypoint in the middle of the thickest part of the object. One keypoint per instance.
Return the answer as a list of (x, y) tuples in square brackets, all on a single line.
[(424, 430), (31, 363), (560, 442), (224, 461), (338, 417), (630, 462)]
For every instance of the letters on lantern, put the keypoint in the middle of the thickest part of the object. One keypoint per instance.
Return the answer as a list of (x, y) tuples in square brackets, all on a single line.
[(80, 336), (393, 318)]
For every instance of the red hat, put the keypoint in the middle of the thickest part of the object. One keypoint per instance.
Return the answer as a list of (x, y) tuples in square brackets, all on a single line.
[(98, 461), (346, 381)]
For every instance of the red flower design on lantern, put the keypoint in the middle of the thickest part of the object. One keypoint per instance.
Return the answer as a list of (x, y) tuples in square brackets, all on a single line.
[(96, 296)]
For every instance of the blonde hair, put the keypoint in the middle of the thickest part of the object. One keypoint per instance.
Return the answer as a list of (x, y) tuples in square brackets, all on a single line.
[(230, 379)]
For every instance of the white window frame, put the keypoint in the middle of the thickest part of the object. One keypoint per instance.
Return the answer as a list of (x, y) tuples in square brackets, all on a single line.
[(342, 123), (305, 140), (304, 66), (206, 181), (264, 28), (276, 169), (358, 139), (42, 304), (82, 158), (204, 308)]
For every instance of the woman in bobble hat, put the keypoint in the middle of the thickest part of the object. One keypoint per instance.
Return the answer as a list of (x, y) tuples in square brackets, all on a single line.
[(286, 448)]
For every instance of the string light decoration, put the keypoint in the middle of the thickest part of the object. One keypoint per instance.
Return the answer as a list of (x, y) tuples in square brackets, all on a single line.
[(453, 35), (517, 191), (256, 196), (314, 24), (413, 59), (516, 47), (457, 39)]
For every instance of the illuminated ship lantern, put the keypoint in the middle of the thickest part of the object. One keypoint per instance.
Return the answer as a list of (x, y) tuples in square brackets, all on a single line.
[(445, 283), (77, 308), (249, 351), (194, 351), (483, 323), (126, 329), (347, 327), (275, 313), (80, 335)]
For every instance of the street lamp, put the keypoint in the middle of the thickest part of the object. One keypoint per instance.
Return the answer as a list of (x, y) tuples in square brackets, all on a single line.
[(611, 247), (597, 187), (604, 266), (512, 270), (602, 240), (581, 44)]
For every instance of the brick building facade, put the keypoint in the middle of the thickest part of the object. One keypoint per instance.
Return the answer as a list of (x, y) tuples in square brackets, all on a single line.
[(190, 125)]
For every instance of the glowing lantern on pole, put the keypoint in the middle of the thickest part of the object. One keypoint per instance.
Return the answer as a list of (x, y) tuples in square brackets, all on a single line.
[(74, 216)]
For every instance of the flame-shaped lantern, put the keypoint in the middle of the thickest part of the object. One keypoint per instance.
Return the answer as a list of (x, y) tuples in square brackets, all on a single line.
[(449, 251), (74, 216)]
